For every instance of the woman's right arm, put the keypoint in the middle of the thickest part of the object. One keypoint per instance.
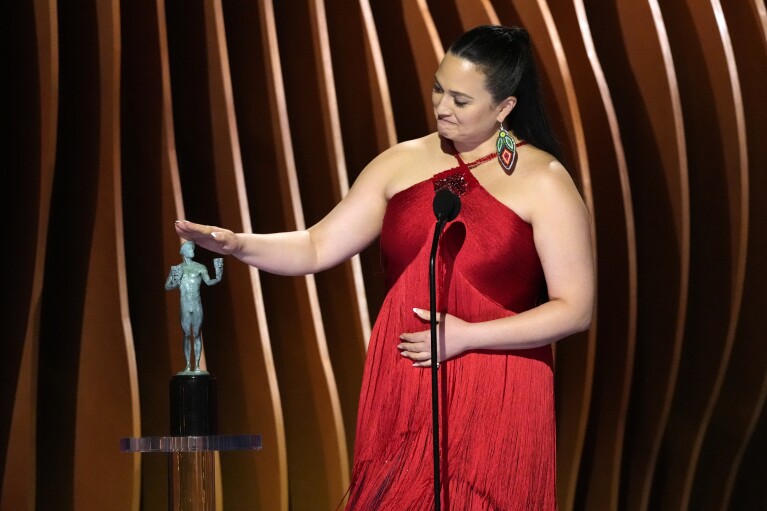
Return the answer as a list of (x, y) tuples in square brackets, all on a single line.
[(350, 227)]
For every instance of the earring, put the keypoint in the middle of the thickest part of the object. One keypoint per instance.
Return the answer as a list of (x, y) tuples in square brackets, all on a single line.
[(506, 149)]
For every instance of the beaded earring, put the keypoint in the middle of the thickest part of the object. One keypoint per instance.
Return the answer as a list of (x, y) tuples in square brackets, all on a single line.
[(506, 149)]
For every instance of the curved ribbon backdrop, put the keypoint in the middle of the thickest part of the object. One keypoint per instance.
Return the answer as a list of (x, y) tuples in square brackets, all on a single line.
[(118, 117)]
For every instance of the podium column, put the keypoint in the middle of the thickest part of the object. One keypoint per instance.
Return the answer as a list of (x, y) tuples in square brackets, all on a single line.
[(193, 443), (192, 475)]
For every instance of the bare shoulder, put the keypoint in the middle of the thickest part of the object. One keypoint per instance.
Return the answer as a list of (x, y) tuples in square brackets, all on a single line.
[(410, 152), (547, 185), (393, 169), (550, 176)]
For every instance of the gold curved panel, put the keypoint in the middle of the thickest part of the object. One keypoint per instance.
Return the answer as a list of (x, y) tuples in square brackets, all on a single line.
[(316, 445), (743, 391), (322, 178), (712, 107), (448, 24), (630, 42), (212, 183), (749, 491), (411, 117), (360, 96), (72, 203), (39, 77), (107, 386), (20, 130), (366, 129), (616, 267), (426, 48), (473, 13), (86, 357), (148, 202)]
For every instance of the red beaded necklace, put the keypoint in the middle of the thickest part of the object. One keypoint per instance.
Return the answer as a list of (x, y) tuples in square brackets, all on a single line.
[(480, 161), (484, 159)]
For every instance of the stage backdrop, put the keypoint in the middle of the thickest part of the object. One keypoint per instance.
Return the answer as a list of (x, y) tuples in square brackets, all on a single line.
[(119, 117)]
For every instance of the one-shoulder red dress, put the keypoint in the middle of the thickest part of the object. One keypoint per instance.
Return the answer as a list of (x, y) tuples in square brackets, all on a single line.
[(497, 428)]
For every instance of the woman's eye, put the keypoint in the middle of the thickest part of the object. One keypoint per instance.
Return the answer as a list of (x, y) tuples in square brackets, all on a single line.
[(460, 104), (437, 88)]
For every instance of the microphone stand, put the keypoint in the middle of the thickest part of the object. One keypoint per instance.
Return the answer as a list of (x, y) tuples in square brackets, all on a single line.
[(434, 360), (446, 207)]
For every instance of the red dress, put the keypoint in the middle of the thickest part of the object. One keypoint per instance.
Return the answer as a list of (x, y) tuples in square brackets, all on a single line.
[(496, 407)]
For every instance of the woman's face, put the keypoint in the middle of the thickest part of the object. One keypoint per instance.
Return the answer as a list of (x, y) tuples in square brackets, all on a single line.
[(464, 108)]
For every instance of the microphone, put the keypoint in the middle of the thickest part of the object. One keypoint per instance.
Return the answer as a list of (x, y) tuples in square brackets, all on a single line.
[(446, 205)]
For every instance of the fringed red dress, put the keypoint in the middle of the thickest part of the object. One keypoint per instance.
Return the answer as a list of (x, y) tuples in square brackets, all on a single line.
[(497, 407)]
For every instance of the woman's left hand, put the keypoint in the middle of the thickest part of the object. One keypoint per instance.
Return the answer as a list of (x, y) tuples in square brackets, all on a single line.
[(452, 335)]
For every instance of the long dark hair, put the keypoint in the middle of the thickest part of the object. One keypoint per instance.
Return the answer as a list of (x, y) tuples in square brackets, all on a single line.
[(505, 56)]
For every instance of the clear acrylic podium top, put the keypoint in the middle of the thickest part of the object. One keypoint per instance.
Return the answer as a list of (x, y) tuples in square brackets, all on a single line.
[(191, 443)]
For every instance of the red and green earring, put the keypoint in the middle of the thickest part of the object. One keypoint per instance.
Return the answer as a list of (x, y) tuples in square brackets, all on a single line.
[(506, 149)]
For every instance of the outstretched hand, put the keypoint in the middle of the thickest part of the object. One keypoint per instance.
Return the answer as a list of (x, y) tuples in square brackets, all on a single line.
[(452, 334), (215, 239)]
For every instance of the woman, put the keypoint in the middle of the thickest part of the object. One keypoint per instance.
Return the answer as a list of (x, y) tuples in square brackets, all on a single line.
[(522, 228)]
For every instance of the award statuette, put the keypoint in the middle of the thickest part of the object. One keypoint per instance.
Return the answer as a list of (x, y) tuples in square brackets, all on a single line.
[(193, 403), (192, 391), (193, 400), (188, 277)]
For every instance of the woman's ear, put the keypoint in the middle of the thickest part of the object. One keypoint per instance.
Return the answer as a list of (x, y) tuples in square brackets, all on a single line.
[(507, 105)]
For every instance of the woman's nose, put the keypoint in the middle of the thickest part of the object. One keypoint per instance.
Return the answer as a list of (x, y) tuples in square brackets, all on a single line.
[(441, 105)]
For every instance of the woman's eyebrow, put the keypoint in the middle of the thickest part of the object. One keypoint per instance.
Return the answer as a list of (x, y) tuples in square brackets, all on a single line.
[(461, 94), (452, 92)]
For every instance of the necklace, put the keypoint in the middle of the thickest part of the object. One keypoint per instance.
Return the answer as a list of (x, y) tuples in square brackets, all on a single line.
[(480, 161), (484, 159)]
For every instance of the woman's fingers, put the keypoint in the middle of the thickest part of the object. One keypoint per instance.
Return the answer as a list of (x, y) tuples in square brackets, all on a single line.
[(416, 356), (418, 352), (416, 347), (216, 239), (421, 347), (425, 314), (193, 232)]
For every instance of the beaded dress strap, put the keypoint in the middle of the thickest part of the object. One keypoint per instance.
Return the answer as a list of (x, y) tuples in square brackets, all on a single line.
[(460, 180)]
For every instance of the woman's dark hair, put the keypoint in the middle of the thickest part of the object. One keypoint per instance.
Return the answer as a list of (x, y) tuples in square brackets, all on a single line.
[(505, 57)]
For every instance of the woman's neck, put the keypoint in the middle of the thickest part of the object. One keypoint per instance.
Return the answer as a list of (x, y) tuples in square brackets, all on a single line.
[(472, 150)]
